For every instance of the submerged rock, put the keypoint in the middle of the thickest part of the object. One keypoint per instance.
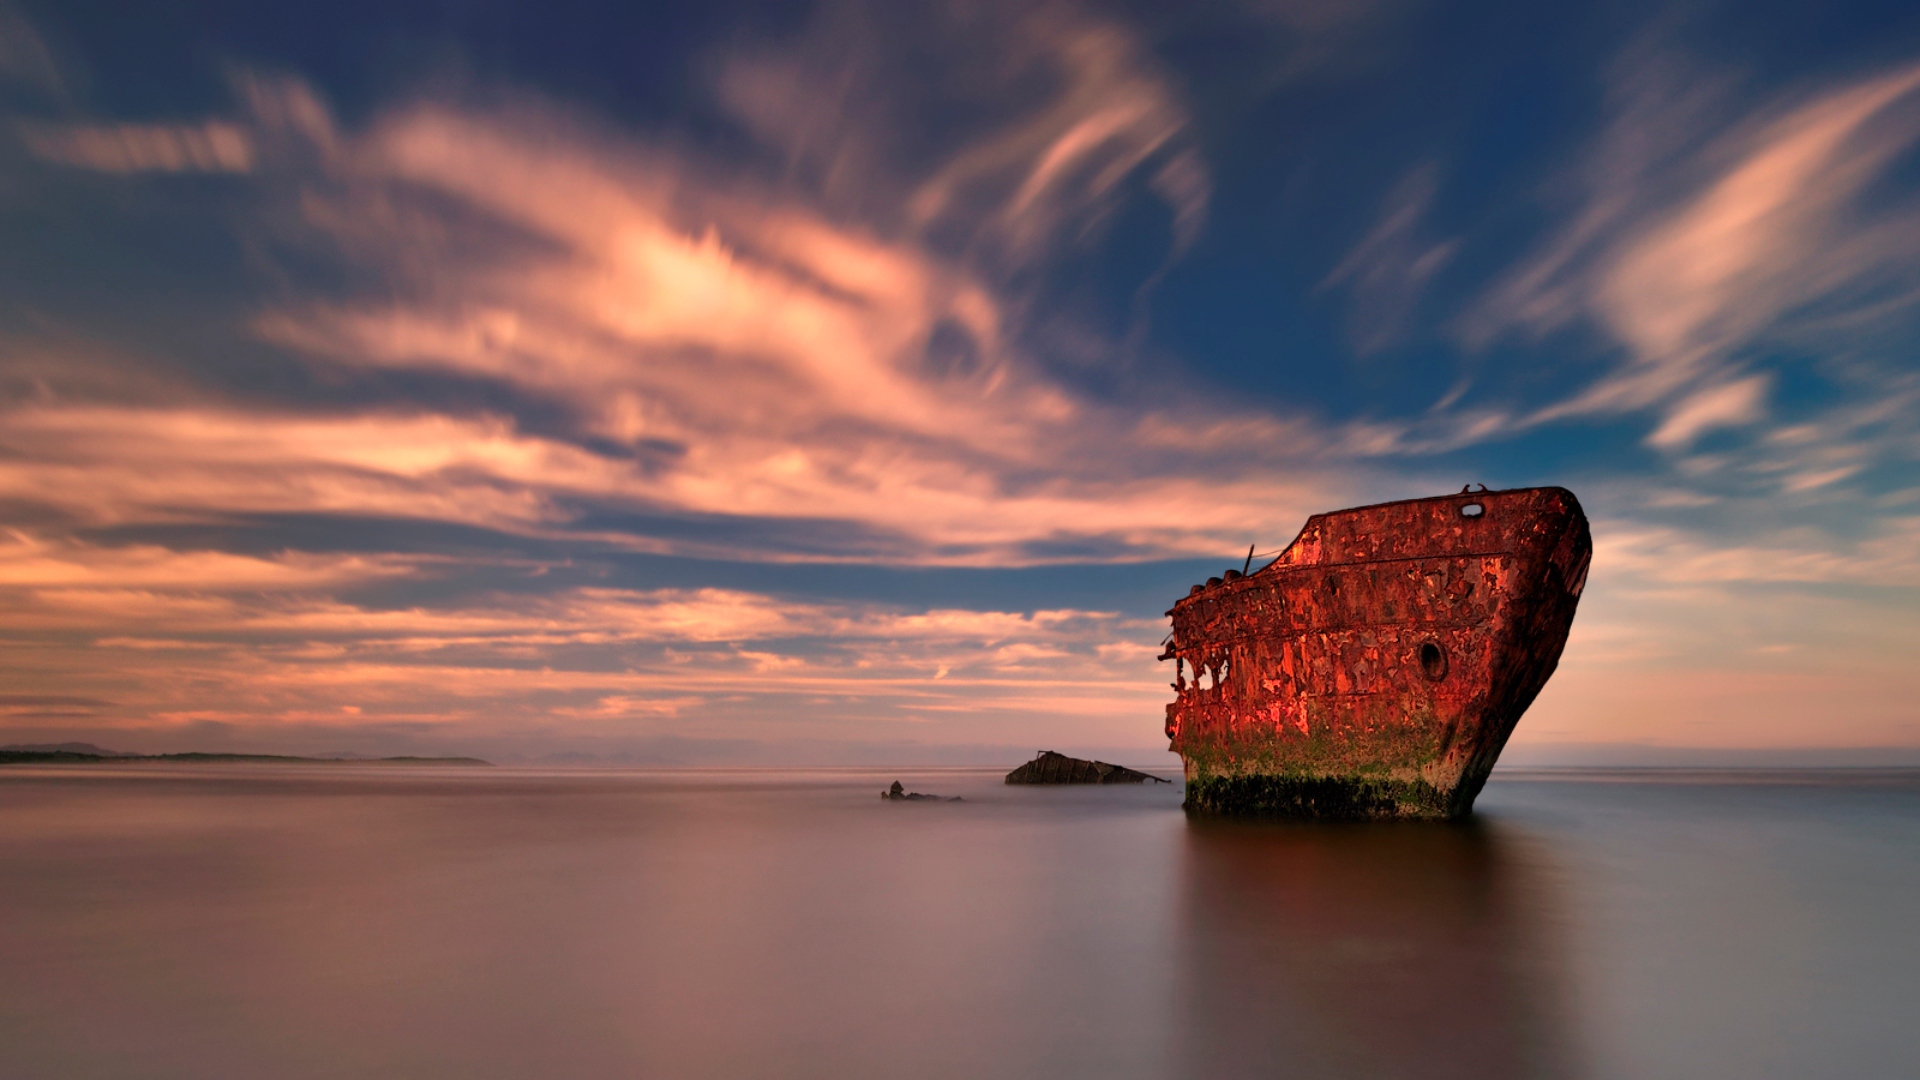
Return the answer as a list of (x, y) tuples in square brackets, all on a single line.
[(898, 793), (1048, 767)]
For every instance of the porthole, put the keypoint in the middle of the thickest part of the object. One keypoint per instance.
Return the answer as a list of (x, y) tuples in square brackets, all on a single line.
[(1472, 510), (1433, 661)]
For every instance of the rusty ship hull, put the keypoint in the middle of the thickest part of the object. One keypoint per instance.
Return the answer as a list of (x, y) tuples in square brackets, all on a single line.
[(1377, 667)]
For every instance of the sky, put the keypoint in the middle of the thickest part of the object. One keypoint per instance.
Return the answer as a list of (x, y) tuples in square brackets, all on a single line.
[(858, 383)]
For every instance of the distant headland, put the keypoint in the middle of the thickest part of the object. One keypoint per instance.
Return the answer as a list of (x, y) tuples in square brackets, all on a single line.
[(81, 753)]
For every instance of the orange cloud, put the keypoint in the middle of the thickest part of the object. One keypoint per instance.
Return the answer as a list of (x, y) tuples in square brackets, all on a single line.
[(120, 465), (257, 643), (763, 358), (29, 561)]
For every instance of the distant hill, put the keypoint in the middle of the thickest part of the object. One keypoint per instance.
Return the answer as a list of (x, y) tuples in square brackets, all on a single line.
[(81, 753), (86, 748)]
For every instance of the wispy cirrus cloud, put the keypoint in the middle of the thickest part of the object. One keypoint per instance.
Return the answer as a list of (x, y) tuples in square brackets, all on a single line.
[(122, 466), (1113, 116), (212, 147), (1386, 271), (179, 637), (1707, 234), (1665, 558), (849, 103), (35, 562), (664, 336), (24, 55), (719, 348)]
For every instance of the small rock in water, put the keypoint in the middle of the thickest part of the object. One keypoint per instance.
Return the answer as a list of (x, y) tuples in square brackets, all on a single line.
[(901, 794)]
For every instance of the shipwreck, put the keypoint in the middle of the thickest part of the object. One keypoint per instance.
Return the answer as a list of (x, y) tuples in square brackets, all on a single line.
[(1376, 668)]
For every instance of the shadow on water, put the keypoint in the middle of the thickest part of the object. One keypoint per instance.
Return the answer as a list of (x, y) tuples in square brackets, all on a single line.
[(1428, 950)]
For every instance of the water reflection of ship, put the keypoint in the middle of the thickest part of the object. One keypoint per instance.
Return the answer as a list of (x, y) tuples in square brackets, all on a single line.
[(1372, 951)]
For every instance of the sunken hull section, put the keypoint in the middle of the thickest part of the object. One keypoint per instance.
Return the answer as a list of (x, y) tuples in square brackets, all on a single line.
[(1377, 667)]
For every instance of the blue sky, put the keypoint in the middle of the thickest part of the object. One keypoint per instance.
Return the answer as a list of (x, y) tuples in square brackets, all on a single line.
[(860, 382)]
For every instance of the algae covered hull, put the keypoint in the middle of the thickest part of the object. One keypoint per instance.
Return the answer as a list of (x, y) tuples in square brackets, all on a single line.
[(1377, 667)]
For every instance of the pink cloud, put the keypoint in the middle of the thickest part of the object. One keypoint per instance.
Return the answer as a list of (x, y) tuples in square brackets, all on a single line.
[(29, 561), (1703, 235), (125, 148), (779, 350), (1730, 261), (1726, 405), (124, 465), (176, 649)]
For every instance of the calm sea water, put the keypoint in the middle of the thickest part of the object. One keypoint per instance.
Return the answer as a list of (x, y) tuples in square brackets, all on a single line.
[(351, 921)]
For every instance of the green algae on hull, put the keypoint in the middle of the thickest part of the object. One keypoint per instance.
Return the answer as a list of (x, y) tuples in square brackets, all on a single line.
[(1325, 798)]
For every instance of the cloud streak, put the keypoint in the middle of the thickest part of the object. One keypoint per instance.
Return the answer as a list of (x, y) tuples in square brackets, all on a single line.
[(700, 345), (720, 350), (1387, 270), (1703, 240), (178, 638), (212, 147)]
